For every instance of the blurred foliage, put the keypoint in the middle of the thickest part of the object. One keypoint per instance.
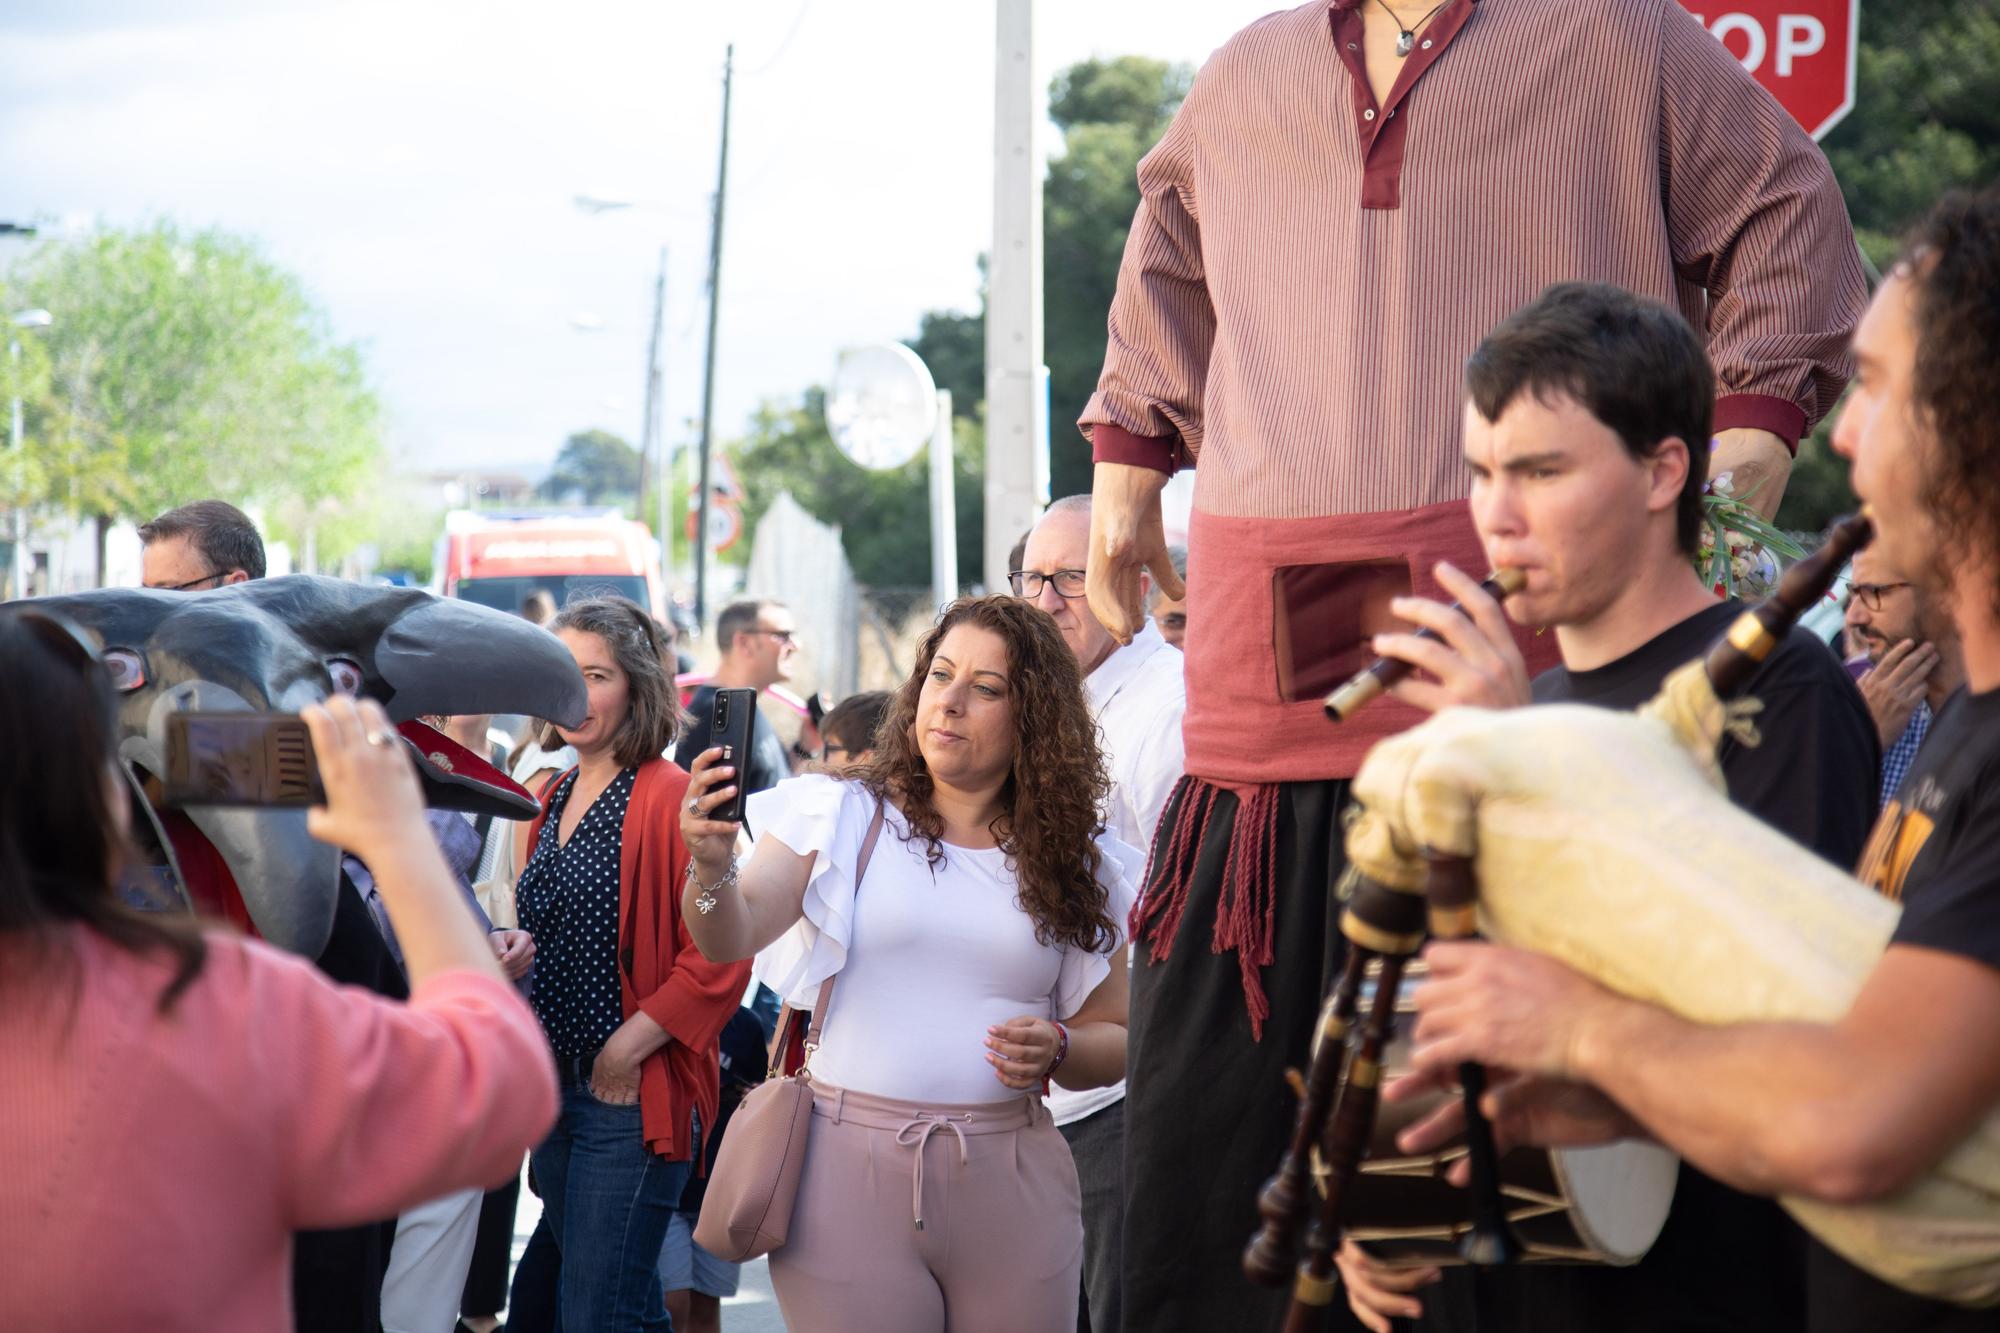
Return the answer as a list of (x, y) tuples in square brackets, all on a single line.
[(594, 467), (1110, 112), (953, 346), (1818, 492), (884, 517), (1926, 115), (184, 365), (1926, 120)]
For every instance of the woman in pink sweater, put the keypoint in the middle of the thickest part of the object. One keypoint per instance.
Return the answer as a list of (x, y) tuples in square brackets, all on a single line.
[(174, 1103)]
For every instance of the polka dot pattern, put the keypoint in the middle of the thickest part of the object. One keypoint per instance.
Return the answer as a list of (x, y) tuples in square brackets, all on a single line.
[(568, 900)]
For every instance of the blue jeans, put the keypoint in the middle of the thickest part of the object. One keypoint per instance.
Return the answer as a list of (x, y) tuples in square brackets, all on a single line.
[(606, 1201)]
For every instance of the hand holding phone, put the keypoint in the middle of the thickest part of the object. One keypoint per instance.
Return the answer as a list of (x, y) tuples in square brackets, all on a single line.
[(709, 840), (374, 805), (343, 761), (732, 715)]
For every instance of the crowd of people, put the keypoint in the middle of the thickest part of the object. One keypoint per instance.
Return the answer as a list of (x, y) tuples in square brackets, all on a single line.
[(1075, 873)]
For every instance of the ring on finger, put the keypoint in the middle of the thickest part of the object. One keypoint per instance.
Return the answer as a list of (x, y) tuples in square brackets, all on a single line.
[(377, 738)]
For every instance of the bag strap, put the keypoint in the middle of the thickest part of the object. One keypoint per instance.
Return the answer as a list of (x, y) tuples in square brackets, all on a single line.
[(826, 987)]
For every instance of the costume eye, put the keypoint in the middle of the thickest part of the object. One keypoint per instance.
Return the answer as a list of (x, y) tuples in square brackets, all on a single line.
[(346, 675), (127, 668)]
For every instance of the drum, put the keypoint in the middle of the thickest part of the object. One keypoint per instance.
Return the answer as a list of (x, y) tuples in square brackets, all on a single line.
[(1601, 1205)]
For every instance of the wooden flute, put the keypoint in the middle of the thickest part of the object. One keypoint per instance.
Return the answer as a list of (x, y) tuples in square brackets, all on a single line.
[(1379, 675)]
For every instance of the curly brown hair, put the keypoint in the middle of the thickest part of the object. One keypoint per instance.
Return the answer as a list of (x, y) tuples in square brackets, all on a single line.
[(1953, 263), (1052, 801)]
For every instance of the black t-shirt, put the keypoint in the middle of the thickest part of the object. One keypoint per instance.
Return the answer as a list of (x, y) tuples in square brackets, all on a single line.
[(1937, 848), (1725, 1261), (1812, 776), (767, 766)]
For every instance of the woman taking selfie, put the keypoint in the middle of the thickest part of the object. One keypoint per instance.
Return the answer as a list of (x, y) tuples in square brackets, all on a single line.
[(179, 1101), (632, 1010), (978, 953)]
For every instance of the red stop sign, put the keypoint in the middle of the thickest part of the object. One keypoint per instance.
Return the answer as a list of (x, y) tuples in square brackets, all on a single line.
[(1802, 50)]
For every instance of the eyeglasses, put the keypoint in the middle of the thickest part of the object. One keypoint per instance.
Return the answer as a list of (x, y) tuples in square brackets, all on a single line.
[(1870, 594), (781, 635), (185, 587), (829, 750), (1028, 583)]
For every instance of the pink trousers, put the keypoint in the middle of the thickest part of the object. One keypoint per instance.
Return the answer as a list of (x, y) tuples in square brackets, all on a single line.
[(917, 1218)]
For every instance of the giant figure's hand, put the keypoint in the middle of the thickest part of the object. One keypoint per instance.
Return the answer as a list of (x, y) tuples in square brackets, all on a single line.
[(1126, 539), (1758, 464)]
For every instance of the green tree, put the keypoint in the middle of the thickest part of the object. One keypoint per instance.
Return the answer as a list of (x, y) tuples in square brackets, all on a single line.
[(1926, 120), (953, 346), (183, 365), (884, 517), (1110, 112), (1926, 115), (596, 466)]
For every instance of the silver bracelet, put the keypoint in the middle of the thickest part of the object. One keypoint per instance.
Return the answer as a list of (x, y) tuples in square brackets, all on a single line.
[(704, 898)]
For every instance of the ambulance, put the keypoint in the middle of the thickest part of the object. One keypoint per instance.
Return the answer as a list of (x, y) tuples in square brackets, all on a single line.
[(501, 558)]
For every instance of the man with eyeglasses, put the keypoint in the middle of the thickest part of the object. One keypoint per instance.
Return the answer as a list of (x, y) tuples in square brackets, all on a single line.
[(759, 641), (1138, 697), (1913, 654), (207, 544)]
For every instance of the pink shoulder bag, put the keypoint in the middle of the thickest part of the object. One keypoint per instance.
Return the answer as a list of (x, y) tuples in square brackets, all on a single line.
[(748, 1207)]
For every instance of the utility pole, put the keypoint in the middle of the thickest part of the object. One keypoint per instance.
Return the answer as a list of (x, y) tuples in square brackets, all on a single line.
[(1017, 450), (708, 370), (650, 444)]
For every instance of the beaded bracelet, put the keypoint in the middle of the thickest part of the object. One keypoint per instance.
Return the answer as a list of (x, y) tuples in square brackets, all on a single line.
[(1062, 1051)]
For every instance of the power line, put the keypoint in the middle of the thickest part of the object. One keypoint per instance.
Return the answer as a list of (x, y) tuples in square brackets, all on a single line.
[(799, 21)]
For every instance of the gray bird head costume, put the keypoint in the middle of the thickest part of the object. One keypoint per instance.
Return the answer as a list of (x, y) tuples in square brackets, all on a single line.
[(279, 644)]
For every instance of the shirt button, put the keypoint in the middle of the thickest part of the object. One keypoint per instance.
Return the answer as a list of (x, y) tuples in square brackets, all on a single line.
[(1427, 43), (1352, 47), (1369, 114)]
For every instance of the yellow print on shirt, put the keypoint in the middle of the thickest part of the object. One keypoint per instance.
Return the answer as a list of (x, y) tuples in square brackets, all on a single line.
[(1899, 835)]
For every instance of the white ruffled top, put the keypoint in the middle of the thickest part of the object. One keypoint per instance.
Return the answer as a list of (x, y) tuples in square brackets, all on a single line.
[(929, 957)]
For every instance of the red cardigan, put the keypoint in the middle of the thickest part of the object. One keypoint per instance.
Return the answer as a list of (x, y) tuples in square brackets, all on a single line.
[(659, 968)]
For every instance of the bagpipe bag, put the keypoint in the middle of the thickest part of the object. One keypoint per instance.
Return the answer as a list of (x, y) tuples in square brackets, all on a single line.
[(1605, 840)]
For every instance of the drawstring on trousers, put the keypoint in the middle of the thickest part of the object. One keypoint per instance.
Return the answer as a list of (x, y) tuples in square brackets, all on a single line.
[(923, 1125)]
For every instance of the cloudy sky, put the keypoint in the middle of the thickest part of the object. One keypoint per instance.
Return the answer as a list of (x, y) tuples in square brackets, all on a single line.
[(415, 162)]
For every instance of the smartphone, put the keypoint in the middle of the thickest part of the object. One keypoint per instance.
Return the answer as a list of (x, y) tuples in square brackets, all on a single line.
[(732, 714), (240, 759)]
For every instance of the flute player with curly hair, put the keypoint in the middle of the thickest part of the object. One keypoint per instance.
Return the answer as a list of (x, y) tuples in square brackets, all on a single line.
[(980, 953)]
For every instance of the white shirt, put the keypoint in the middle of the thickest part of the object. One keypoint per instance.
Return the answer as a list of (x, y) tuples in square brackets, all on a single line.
[(928, 957), (1138, 695)]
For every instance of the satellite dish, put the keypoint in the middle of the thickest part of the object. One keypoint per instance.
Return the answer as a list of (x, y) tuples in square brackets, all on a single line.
[(882, 406)]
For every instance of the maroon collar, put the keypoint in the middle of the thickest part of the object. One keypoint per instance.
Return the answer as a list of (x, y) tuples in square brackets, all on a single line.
[(1339, 5)]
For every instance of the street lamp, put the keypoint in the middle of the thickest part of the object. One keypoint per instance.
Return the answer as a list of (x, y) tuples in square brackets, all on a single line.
[(25, 319)]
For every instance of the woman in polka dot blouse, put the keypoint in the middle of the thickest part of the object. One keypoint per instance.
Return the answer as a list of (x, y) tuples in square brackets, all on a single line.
[(632, 1010)]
